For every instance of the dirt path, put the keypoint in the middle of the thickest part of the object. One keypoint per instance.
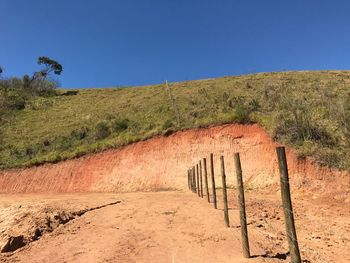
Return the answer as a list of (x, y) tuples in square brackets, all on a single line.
[(176, 227), (144, 227)]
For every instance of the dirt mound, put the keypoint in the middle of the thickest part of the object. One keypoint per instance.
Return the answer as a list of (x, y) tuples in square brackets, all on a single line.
[(162, 162)]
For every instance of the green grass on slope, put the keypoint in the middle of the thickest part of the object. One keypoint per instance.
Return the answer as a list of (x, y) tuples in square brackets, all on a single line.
[(306, 110)]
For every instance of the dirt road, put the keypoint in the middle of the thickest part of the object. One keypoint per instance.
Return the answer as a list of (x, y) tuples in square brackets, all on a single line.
[(170, 227)]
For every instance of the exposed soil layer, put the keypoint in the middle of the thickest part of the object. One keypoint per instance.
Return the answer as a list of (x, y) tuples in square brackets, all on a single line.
[(175, 227), (162, 162), (49, 213)]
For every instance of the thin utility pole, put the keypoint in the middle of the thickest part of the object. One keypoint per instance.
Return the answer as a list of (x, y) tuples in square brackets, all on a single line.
[(172, 99)]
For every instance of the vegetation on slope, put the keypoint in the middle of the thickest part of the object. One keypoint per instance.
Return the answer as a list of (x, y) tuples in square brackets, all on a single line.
[(18, 93), (307, 110)]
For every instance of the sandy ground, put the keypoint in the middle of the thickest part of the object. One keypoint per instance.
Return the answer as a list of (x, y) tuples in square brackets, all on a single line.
[(170, 226)]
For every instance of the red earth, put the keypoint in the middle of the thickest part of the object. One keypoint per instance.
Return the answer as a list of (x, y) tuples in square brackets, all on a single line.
[(70, 211), (162, 163)]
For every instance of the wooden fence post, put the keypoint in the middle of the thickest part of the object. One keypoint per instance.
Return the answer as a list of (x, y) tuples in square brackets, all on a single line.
[(188, 179), (206, 179), (241, 202), (194, 189), (200, 175), (198, 189), (191, 184), (287, 206), (224, 192), (191, 180), (213, 180)]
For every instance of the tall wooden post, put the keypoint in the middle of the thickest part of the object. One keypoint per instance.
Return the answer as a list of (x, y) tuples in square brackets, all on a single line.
[(206, 179), (200, 177), (287, 206), (172, 99), (241, 202), (198, 187), (224, 192), (191, 179), (188, 179), (213, 180), (194, 189)]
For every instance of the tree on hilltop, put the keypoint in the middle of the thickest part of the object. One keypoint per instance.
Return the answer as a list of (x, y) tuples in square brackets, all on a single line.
[(40, 78), (49, 66)]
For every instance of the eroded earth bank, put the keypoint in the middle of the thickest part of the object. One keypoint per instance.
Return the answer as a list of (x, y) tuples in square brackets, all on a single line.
[(79, 210)]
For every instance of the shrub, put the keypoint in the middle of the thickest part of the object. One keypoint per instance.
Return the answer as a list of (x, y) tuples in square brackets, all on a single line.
[(80, 133), (120, 125), (102, 131), (70, 93), (29, 151), (254, 105), (37, 103), (242, 114), (16, 151), (64, 142), (302, 120), (79, 152), (53, 157), (17, 102), (46, 142), (45, 88)]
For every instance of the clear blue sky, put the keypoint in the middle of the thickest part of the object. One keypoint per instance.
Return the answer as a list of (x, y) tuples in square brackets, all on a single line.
[(135, 42)]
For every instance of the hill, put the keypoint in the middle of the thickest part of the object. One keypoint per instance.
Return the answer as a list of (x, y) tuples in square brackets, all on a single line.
[(307, 110)]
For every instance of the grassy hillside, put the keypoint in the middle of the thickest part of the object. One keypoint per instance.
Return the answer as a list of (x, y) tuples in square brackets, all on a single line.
[(307, 110)]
